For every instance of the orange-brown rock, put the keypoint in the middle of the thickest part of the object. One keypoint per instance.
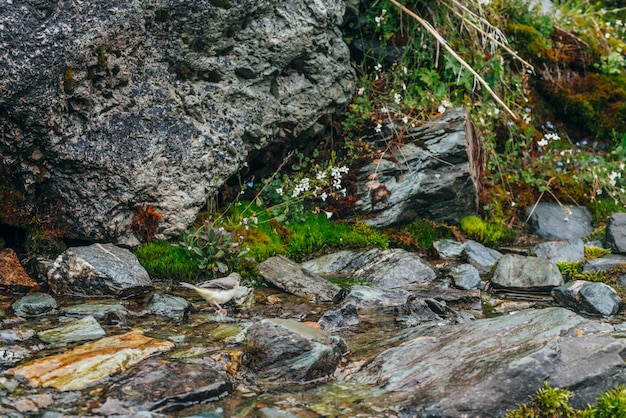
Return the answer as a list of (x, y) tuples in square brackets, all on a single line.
[(88, 363), (12, 273)]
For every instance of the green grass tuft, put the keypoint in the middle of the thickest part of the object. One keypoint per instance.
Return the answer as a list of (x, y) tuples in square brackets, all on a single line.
[(163, 261), (487, 233)]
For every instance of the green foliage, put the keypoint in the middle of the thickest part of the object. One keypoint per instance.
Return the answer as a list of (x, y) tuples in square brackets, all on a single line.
[(318, 234), (490, 234), (213, 246), (570, 270), (552, 402), (595, 252), (548, 402), (421, 233), (612, 403), (164, 261)]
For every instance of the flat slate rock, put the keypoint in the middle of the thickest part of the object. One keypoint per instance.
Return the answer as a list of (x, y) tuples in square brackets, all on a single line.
[(487, 367), (554, 221), (83, 329), (164, 386), (604, 263), (292, 278), (87, 364), (388, 269), (569, 250)]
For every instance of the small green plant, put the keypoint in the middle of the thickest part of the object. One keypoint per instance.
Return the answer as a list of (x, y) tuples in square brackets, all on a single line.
[(490, 234), (551, 402), (570, 270), (595, 252), (548, 402), (612, 403), (213, 246), (421, 233)]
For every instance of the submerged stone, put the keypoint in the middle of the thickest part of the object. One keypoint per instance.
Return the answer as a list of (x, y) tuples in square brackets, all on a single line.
[(34, 304), (86, 328)]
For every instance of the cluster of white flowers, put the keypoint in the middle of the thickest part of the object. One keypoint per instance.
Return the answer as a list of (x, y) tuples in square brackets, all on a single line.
[(552, 136), (335, 173), (380, 20), (526, 116), (613, 176), (444, 105), (302, 186), (397, 97), (360, 91)]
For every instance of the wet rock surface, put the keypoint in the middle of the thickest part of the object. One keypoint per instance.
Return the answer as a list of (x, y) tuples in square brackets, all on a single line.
[(99, 270), (519, 272), (398, 344), (121, 108), (554, 221), (499, 359)]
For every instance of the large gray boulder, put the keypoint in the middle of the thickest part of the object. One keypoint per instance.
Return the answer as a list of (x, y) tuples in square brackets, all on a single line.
[(108, 107), (484, 368)]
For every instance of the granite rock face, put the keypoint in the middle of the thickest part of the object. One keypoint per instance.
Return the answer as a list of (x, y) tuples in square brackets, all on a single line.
[(109, 107)]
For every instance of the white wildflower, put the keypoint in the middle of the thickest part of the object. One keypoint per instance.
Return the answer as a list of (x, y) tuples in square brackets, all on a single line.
[(397, 98), (542, 142), (280, 191), (360, 91), (378, 128)]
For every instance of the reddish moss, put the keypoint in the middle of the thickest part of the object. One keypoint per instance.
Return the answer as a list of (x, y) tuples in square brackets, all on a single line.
[(146, 222)]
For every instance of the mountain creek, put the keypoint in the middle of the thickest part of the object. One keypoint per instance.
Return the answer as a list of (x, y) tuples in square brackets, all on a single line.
[(427, 348)]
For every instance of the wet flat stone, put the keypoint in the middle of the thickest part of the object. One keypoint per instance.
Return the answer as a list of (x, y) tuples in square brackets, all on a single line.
[(86, 364), (165, 386)]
